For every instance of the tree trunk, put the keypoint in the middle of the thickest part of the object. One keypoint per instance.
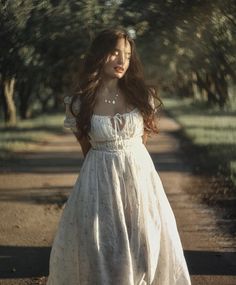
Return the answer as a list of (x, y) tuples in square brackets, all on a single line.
[(9, 85), (211, 96), (222, 89), (3, 101), (25, 90), (208, 86), (227, 66)]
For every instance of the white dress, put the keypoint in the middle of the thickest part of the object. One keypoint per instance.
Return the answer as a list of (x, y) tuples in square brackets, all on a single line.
[(117, 227)]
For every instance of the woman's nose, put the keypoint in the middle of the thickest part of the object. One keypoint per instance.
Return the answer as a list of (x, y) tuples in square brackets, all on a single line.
[(121, 59)]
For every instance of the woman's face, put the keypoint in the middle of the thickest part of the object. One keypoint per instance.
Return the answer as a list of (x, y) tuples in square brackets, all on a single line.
[(118, 60)]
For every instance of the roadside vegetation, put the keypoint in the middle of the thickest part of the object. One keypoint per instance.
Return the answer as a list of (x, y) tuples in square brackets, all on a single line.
[(211, 130), (188, 52), (28, 134)]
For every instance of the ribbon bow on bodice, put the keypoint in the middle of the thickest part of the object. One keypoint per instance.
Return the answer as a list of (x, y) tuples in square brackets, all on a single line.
[(118, 123)]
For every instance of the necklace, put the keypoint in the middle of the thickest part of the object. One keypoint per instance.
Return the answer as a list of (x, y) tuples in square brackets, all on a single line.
[(112, 100)]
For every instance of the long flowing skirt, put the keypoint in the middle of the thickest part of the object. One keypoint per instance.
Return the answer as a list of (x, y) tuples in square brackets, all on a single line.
[(117, 227)]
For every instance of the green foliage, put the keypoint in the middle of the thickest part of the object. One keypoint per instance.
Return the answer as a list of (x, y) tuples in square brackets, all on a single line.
[(188, 48), (233, 171), (28, 134), (44, 42), (212, 130)]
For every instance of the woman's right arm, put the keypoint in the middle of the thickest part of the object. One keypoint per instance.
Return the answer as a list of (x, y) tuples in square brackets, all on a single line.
[(70, 122)]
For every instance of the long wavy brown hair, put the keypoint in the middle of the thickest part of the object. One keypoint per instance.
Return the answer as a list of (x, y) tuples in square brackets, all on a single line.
[(132, 84)]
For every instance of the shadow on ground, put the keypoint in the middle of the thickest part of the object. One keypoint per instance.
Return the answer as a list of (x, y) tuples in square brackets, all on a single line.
[(43, 162), (53, 195), (66, 162), (27, 262)]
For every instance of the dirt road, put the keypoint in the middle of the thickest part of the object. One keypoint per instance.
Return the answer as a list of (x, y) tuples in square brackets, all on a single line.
[(34, 187)]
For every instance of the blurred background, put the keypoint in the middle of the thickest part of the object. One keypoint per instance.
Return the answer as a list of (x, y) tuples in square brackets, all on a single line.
[(188, 49)]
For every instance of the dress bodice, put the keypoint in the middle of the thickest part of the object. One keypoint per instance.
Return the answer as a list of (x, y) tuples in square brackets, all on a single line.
[(106, 132), (117, 226), (117, 129)]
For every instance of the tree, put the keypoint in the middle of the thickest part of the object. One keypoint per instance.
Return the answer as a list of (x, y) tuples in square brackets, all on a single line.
[(188, 40)]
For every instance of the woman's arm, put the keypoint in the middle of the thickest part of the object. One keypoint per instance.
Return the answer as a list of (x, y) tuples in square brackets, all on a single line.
[(84, 143)]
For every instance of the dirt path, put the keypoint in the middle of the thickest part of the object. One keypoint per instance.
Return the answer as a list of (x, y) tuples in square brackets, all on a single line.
[(34, 187)]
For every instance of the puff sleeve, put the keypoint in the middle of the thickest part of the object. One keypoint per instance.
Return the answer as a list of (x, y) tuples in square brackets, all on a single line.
[(70, 120)]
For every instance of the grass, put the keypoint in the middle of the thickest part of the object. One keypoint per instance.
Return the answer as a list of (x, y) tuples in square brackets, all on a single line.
[(29, 133), (211, 130)]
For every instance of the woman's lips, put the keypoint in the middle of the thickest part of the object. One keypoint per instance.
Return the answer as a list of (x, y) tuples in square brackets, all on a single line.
[(119, 69)]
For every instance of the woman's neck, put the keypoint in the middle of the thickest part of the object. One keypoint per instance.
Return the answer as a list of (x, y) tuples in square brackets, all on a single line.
[(109, 85)]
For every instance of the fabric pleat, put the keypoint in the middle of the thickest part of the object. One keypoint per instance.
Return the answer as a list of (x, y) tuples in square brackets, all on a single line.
[(117, 226)]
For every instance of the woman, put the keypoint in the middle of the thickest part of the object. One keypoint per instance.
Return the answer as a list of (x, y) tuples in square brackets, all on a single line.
[(117, 227)]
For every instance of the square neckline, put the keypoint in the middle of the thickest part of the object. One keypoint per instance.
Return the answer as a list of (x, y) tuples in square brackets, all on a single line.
[(120, 114)]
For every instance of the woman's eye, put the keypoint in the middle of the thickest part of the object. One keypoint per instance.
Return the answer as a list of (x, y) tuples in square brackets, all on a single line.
[(115, 53)]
